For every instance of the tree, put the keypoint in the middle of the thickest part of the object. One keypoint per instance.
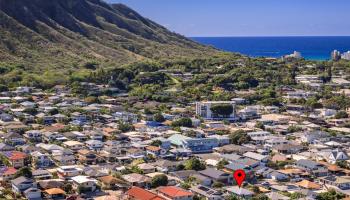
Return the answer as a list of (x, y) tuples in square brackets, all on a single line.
[(222, 109), (341, 115), (312, 103), (221, 164), (156, 143), (185, 122), (194, 164), (54, 111), (159, 180), (91, 100), (217, 185), (330, 195), (125, 127), (239, 137), (260, 125), (31, 111), (24, 171), (158, 117), (342, 164), (296, 195), (68, 188), (260, 197)]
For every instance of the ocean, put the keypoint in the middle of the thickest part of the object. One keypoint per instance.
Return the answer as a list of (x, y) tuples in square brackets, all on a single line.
[(311, 48)]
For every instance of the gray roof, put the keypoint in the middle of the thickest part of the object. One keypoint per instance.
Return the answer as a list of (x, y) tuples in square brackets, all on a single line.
[(20, 180), (212, 173), (309, 163)]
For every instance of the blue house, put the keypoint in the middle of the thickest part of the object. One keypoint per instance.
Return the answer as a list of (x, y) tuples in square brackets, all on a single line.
[(195, 145)]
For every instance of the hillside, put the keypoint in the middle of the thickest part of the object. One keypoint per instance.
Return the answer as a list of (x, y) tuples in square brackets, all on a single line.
[(69, 33)]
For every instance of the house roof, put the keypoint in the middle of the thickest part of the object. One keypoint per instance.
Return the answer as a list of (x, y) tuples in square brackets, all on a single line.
[(72, 143), (173, 192), (7, 171), (308, 185), (20, 180), (142, 194), (131, 178), (239, 191), (212, 173), (54, 191), (83, 179), (15, 155), (255, 156), (152, 148)]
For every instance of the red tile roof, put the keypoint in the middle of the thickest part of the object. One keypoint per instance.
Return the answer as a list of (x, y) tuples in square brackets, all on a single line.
[(10, 171), (142, 194), (153, 148), (15, 155), (173, 192)]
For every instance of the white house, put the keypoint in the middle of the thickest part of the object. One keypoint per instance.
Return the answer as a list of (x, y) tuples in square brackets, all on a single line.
[(85, 182), (203, 109), (94, 144), (73, 145)]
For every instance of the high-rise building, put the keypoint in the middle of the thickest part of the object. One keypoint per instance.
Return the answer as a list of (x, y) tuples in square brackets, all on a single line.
[(335, 55), (346, 55), (295, 54)]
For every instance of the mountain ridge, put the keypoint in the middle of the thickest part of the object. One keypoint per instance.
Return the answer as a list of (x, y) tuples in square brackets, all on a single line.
[(60, 33)]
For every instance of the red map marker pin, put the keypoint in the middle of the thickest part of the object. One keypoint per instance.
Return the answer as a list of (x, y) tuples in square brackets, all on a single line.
[(239, 176)]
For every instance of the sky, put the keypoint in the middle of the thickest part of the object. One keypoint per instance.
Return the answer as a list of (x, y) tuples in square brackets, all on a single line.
[(219, 18)]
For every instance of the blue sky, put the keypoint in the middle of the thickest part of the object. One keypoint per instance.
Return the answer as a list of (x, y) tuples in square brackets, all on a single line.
[(248, 17)]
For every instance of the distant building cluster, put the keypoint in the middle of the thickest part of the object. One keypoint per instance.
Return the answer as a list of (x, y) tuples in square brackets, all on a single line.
[(295, 54), (337, 55)]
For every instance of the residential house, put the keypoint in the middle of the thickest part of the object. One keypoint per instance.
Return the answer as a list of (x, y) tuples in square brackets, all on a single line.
[(55, 193), (248, 113), (166, 165), (4, 117), (40, 160), (52, 136), (287, 148), (87, 157), (21, 184), (217, 175), (312, 167), (174, 193), (342, 183), (137, 193), (6, 147), (203, 109), (33, 135), (32, 194), (7, 173), (137, 180), (126, 117), (85, 183), (259, 137), (239, 192), (94, 144), (41, 174), (154, 150), (67, 172), (314, 136), (110, 182), (263, 159), (333, 156), (73, 145), (14, 139), (195, 145), (95, 134), (146, 168), (16, 159), (207, 192)]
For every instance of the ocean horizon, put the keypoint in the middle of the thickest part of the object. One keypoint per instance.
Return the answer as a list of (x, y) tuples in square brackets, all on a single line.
[(311, 47)]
